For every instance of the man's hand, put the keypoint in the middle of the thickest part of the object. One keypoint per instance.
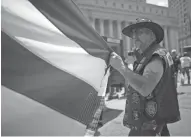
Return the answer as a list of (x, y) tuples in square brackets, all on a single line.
[(130, 59), (117, 63)]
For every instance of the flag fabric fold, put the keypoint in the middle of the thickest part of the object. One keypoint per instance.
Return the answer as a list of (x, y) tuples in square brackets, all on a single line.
[(58, 61), (67, 17)]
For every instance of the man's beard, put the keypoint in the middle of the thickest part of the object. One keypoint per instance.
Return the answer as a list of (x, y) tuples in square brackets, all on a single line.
[(137, 44), (140, 45)]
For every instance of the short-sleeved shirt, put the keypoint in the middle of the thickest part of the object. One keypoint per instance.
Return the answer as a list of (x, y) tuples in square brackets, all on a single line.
[(154, 71), (185, 62)]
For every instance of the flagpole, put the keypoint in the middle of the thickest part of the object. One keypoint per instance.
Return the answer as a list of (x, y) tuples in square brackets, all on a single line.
[(93, 126)]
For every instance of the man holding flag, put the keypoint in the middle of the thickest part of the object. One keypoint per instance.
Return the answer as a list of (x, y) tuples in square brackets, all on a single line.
[(54, 72), (150, 84)]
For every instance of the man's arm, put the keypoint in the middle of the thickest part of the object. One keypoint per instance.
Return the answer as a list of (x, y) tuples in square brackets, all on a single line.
[(145, 83)]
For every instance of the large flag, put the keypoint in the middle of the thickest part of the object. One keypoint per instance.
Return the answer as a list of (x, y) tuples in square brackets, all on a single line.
[(53, 68)]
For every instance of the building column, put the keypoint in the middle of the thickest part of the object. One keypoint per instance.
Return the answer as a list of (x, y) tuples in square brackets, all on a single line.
[(166, 38), (111, 28), (162, 42), (119, 29), (176, 40), (126, 41), (93, 22), (101, 27), (173, 39)]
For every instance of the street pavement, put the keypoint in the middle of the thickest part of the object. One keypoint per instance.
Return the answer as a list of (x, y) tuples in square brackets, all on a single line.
[(181, 128)]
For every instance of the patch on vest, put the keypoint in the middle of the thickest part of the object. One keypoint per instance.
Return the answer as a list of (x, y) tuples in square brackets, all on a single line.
[(151, 108), (138, 67), (125, 122), (125, 118), (143, 60), (127, 102), (135, 98), (160, 52), (169, 58), (136, 115)]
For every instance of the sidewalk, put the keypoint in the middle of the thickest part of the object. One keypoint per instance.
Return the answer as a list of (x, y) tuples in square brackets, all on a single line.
[(181, 128)]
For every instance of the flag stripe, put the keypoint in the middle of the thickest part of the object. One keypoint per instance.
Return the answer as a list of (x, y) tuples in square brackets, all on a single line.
[(29, 75), (22, 116), (22, 26)]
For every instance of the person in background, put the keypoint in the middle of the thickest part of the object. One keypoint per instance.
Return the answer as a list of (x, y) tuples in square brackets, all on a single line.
[(185, 66), (177, 63), (150, 84)]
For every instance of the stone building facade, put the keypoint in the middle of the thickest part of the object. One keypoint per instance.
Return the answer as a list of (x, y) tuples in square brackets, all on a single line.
[(109, 17), (183, 8)]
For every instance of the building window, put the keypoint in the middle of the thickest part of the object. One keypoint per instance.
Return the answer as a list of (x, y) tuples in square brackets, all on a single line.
[(130, 7), (122, 5), (114, 4)]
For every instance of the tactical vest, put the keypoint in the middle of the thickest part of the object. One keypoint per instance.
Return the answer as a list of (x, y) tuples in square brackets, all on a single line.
[(161, 106)]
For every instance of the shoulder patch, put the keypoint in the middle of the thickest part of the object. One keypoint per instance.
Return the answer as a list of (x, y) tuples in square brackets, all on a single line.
[(169, 59), (161, 52)]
